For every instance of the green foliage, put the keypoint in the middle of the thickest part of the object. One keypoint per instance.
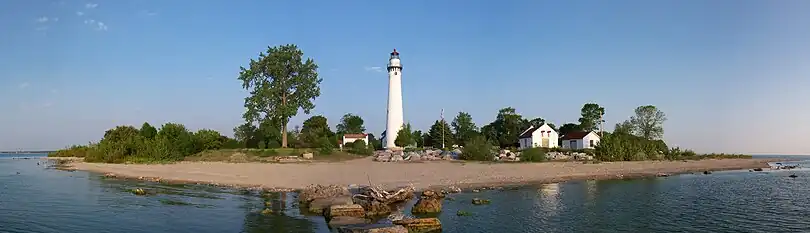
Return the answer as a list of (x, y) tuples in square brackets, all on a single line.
[(148, 131), (624, 147), (79, 151), (624, 127), (568, 128), (178, 137), (535, 154), (206, 139), (374, 143), (591, 117), (325, 146), (351, 123), (439, 133), (315, 128), (478, 149), (463, 128), (405, 136), (280, 83), (506, 128), (359, 147), (648, 122), (419, 137)]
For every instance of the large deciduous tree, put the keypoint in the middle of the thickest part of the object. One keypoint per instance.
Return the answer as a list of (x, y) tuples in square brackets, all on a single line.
[(463, 128), (506, 128), (280, 83), (648, 122), (351, 123), (591, 117), (148, 131), (624, 127)]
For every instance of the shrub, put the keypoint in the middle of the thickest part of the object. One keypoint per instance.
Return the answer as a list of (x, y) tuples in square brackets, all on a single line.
[(477, 148), (533, 155), (325, 146), (359, 147)]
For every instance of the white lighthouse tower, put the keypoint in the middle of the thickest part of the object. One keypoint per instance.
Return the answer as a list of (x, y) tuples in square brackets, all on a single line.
[(395, 119)]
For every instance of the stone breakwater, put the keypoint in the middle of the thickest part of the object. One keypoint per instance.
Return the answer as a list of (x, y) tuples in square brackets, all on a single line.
[(434, 155)]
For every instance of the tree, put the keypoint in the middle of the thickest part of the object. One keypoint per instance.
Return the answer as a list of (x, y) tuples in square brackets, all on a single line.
[(148, 131), (591, 117), (315, 128), (206, 139), (404, 136), (440, 133), (649, 122), (569, 127), (280, 83), (178, 137), (624, 127), (536, 122), (351, 123), (419, 138), (246, 135), (268, 134), (373, 142), (463, 128), (477, 148), (506, 128)]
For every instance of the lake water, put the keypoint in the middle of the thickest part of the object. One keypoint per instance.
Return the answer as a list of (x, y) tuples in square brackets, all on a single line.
[(47, 200)]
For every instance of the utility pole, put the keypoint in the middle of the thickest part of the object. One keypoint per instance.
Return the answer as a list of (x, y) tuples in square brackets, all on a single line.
[(601, 126)]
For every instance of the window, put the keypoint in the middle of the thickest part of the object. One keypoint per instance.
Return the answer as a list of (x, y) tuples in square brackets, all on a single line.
[(590, 143), (395, 73)]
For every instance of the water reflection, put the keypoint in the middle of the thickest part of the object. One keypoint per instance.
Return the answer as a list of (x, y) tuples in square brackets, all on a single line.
[(550, 198), (272, 215)]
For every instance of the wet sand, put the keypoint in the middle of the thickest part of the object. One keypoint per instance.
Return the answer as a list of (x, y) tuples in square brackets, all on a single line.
[(421, 175)]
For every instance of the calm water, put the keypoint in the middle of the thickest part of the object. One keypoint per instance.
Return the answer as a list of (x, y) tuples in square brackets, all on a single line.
[(46, 200)]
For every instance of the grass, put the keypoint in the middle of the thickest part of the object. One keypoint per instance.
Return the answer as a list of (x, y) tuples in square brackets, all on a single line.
[(267, 155)]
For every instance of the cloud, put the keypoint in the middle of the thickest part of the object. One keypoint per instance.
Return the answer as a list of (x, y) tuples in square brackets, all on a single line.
[(97, 24), (374, 69), (24, 85), (79, 13), (42, 19), (90, 5)]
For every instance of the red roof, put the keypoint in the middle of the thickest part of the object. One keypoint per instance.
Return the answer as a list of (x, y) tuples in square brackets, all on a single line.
[(575, 135), (355, 135)]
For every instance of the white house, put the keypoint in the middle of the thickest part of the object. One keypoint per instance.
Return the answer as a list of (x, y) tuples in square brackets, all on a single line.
[(543, 136), (347, 138), (580, 140)]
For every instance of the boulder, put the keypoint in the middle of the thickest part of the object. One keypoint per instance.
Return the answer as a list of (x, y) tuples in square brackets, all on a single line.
[(377, 201), (420, 224), (353, 210), (319, 205), (375, 228), (346, 220), (307, 155), (397, 158), (313, 192), (429, 202), (454, 189), (479, 201)]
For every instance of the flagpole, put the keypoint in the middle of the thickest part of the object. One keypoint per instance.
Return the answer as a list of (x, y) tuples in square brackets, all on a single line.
[(443, 129)]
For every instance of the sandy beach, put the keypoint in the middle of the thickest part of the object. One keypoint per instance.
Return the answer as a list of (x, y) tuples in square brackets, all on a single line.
[(420, 175)]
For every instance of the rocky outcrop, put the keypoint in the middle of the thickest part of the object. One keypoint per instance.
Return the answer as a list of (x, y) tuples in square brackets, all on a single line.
[(429, 202), (376, 228), (346, 220), (479, 201), (319, 204), (312, 192), (420, 224), (377, 201), (353, 210)]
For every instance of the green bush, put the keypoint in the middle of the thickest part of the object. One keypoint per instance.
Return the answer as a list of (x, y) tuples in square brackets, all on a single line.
[(359, 147), (325, 146), (533, 155), (623, 147), (477, 148)]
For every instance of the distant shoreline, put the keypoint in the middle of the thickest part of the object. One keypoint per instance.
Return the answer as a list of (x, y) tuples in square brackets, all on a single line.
[(425, 175)]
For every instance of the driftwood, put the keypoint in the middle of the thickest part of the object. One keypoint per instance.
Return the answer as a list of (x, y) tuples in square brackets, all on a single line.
[(386, 197)]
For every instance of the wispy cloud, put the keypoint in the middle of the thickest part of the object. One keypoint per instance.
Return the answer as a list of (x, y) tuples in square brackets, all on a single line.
[(23, 85), (79, 13), (96, 24), (374, 69), (90, 5), (42, 19)]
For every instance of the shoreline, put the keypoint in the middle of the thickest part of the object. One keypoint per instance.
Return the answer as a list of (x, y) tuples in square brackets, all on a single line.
[(427, 175)]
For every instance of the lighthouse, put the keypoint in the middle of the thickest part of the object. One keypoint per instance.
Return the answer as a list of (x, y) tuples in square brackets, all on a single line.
[(395, 119)]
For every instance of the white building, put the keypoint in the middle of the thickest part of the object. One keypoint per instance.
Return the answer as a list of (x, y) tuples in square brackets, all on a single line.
[(347, 138), (395, 119), (580, 140), (543, 136)]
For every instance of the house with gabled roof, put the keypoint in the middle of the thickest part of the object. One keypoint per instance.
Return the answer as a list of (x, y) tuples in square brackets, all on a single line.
[(542, 136), (580, 140)]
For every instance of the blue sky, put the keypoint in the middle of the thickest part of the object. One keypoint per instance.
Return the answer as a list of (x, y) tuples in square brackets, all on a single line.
[(732, 76)]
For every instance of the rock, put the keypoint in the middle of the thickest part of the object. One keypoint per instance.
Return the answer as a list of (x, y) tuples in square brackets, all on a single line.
[(313, 192), (707, 172), (757, 169), (377, 202), (383, 158), (267, 211), (429, 202), (463, 213), (421, 224), (353, 210), (139, 191), (454, 189), (307, 155), (318, 205), (479, 201), (476, 190), (374, 208), (375, 228), (397, 158), (346, 220), (662, 174)]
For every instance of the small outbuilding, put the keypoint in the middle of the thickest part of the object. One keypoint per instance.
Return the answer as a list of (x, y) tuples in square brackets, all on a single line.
[(580, 140), (542, 136)]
